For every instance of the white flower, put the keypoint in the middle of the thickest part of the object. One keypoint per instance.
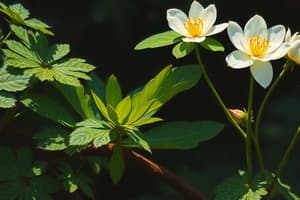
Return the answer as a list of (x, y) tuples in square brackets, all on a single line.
[(294, 41), (199, 23), (256, 46)]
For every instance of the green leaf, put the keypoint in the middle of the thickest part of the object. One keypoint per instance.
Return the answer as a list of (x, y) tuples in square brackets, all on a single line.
[(101, 106), (19, 8), (79, 100), (138, 138), (236, 187), (12, 83), (39, 168), (212, 44), (7, 100), (93, 123), (50, 108), (183, 49), (184, 78), (113, 116), (159, 40), (123, 109), (19, 15), (95, 163), (116, 165), (102, 138), (180, 135), (113, 92), (72, 181), (83, 136), (46, 63), (52, 139), (145, 121)]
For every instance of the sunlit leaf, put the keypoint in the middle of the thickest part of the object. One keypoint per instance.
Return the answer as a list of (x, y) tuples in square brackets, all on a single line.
[(113, 91), (159, 40), (52, 139), (7, 100), (137, 138), (183, 49)]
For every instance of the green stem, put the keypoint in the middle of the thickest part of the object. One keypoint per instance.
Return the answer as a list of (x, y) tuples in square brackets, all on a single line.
[(284, 160), (215, 93), (249, 131), (259, 154), (267, 96)]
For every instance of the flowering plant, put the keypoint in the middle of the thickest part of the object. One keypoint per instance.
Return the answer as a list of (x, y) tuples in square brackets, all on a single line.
[(79, 123)]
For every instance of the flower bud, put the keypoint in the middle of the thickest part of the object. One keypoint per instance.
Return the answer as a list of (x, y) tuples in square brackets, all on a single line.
[(239, 116)]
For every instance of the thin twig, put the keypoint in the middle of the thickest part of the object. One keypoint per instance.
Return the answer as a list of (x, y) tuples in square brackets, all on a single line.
[(152, 168)]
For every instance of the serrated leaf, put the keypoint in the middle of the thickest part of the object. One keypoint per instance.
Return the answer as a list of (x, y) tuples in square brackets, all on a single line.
[(180, 135), (58, 51), (183, 49), (159, 40), (212, 44), (50, 108), (102, 138), (83, 136), (7, 100), (93, 123), (12, 83), (236, 187), (19, 8), (20, 16), (113, 91), (36, 58), (138, 138), (116, 164), (52, 139)]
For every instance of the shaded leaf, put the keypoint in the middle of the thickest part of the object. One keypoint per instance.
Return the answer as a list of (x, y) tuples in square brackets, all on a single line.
[(52, 139), (180, 135), (116, 164)]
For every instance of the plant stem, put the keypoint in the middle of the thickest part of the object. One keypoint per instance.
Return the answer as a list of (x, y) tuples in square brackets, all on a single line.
[(284, 161), (215, 93), (249, 131), (286, 67), (259, 154)]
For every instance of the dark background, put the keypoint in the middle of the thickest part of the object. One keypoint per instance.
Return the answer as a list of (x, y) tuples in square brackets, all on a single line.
[(105, 32)]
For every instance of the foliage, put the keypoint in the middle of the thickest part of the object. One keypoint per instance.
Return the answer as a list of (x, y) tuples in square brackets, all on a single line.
[(80, 124)]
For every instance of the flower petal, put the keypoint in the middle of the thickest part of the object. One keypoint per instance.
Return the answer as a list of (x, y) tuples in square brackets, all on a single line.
[(275, 37), (278, 53), (262, 72), (238, 60), (195, 9), (256, 26), (194, 39), (217, 29), (208, 17), (236, 36), (176, 19), (288, 35), (294, 52)]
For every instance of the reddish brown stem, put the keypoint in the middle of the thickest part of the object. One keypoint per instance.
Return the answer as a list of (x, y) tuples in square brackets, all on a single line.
[(138, 160)]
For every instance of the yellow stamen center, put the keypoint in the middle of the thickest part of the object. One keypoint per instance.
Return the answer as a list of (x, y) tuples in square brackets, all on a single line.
[(194, 26), (258, 46)]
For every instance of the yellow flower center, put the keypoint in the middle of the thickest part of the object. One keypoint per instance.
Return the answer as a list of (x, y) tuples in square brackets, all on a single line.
[(258, 46), (194, 26)]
